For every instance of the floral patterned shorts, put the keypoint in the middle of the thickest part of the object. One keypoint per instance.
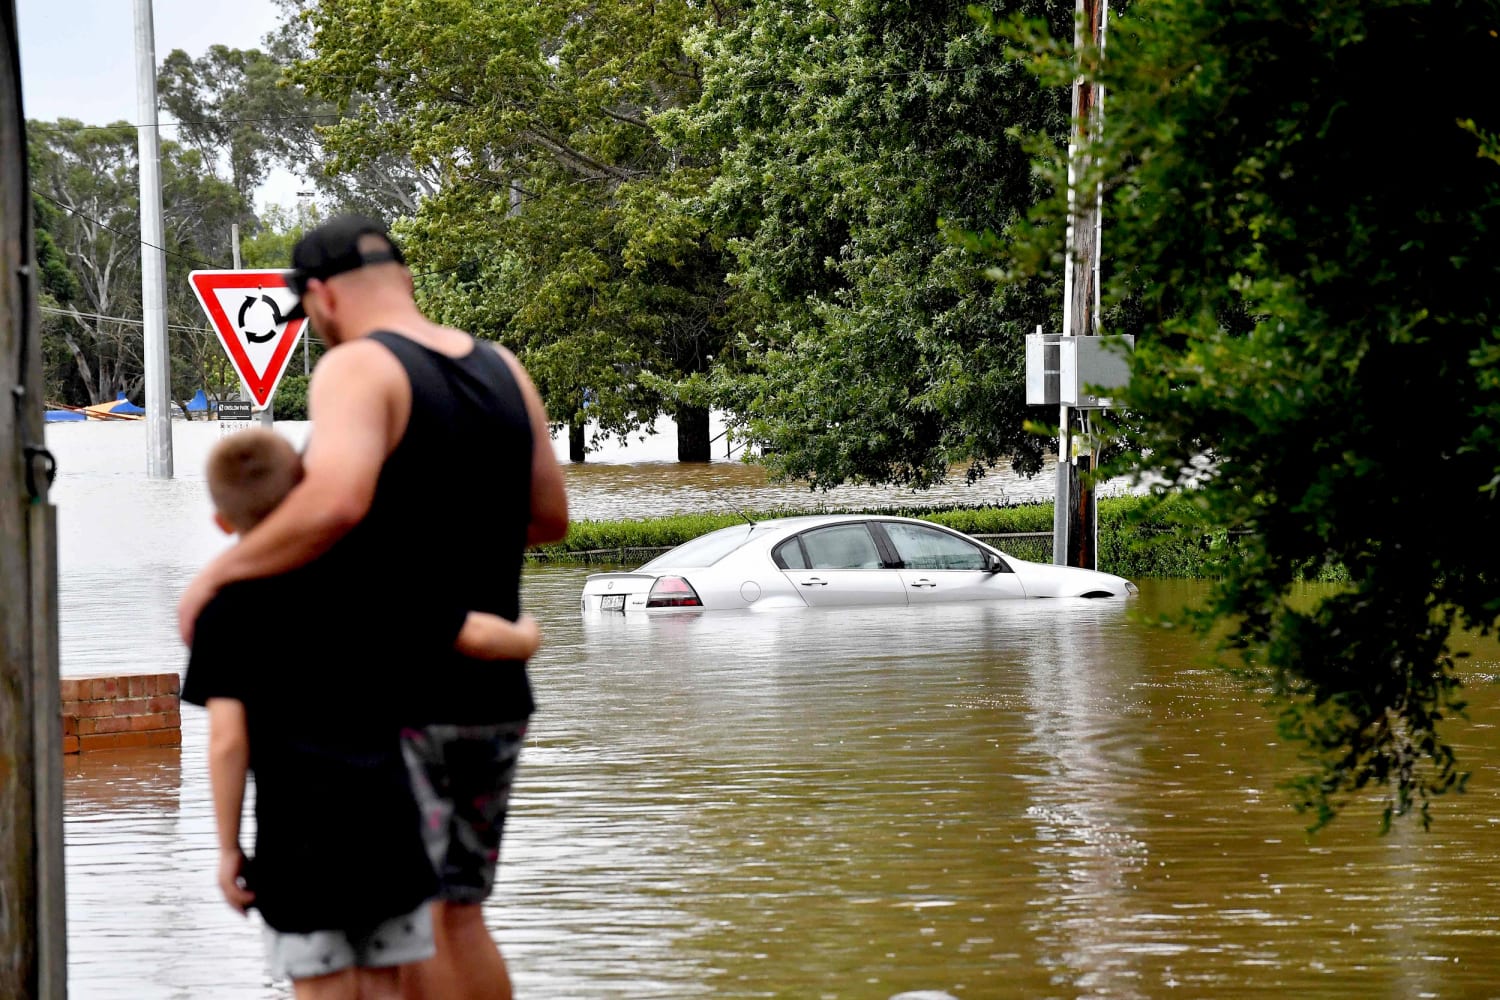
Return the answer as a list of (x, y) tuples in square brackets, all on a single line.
[(461, 778)]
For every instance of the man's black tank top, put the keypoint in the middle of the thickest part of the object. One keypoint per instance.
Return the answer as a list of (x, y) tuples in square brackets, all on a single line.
[(448, 524)]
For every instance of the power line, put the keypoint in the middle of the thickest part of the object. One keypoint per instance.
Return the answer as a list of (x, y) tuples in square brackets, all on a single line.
[(75, 313), (205, 121), (194, 260), (129, 236)]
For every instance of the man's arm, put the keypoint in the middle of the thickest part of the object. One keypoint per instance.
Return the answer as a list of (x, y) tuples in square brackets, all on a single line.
[(359, 401), (228, 764), (549, 497)]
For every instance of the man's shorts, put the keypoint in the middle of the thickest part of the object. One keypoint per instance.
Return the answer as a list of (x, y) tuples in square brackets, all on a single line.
[(461, 777), (397, 941)]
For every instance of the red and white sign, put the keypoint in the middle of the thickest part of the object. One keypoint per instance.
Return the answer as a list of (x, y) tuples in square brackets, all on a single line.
[(246, 310)]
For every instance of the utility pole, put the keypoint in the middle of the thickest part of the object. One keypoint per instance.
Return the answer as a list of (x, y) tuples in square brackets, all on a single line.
[(33, 935), (153, 256), (1075, 525)]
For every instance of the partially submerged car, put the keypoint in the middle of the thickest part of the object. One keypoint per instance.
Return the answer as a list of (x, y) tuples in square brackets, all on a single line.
[(836, 560)]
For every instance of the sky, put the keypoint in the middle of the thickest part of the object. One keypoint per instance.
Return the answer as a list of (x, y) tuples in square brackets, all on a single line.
[(78, 57)]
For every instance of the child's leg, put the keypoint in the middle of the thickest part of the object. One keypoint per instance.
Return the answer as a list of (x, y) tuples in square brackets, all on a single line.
[(342, 985), (380, 984)]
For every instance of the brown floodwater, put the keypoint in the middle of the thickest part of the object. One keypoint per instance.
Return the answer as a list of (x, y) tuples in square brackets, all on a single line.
[(1032, 799)]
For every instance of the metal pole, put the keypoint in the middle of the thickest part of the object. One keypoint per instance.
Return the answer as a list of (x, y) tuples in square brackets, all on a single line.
[(264, 416), (1075, 517), (153, 257)]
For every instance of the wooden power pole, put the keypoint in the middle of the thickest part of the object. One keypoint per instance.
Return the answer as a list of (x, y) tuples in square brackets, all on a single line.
[(1075, 525), (33, 955)]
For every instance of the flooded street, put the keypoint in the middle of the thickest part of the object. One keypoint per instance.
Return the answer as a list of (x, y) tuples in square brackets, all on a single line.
[(1028, 800)]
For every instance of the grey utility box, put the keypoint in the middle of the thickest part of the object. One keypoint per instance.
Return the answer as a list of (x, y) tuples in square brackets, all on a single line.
[(1061, 369)]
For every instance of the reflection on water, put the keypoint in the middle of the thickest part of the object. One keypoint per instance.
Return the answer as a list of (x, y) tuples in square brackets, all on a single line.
[(1039, 799)]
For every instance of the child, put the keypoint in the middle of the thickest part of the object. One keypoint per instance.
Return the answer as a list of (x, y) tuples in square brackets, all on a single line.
[(339, 871)]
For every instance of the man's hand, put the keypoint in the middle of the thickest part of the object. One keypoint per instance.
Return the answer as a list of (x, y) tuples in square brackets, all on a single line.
[(232, 880)]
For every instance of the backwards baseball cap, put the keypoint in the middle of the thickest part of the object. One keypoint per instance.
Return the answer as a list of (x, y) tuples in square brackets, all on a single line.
[(333, 248)]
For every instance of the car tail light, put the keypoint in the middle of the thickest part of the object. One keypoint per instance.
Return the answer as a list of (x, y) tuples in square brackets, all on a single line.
[(673, 592)]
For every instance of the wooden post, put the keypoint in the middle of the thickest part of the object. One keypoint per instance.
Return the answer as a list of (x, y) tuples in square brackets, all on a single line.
[(1075, 516), (32, 933)]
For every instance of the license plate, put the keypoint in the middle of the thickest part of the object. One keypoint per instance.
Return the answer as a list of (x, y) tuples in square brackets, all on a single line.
[(612, 602)]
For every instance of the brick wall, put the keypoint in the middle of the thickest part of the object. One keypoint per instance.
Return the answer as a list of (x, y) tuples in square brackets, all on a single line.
[(107, 712)]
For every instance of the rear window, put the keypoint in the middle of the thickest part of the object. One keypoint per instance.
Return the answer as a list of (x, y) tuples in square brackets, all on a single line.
[(705, 550)]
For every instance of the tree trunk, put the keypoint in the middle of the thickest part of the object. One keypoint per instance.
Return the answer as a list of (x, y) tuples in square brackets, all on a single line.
[(576, 449), (692, 434)]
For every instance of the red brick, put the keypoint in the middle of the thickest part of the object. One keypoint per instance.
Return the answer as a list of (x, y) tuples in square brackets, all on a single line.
[(70, 744), (68, 688), (131, 706), (164, 738), (109, 724), (113, 741), (156, 720), (104, 687), (174, 684), (70, 707), (164, 703), (70, 725), (104, 724)]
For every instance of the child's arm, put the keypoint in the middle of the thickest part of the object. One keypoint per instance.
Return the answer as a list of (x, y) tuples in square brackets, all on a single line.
[(490, 637), (228, 763)]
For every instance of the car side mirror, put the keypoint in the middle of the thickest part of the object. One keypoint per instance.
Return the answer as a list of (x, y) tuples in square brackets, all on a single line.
[(993, 564)]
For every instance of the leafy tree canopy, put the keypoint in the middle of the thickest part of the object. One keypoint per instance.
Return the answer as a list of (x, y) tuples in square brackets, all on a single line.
[(853, 132), (554, 223), (1299, 207)]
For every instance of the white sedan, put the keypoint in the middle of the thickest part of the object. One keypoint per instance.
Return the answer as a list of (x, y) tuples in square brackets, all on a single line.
[(836, 560)]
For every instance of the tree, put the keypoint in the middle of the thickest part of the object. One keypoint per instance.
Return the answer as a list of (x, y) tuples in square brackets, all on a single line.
[(87, 178), (230, 107), (853, 133), (238, 108), (1298, 208), (557, 225)]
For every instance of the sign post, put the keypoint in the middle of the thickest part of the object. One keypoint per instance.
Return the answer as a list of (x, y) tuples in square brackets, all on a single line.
[(247, 310)]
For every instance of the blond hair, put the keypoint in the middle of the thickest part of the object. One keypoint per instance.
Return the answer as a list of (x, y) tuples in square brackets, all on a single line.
[(249, 473)]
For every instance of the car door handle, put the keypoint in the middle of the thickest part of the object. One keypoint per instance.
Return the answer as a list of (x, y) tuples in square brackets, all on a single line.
[(924, 582), (813, 581)]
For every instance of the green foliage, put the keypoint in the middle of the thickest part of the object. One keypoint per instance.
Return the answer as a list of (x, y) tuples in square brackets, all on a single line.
[(1299, 205), (557, 224), (290, 401), (86, 185), (229, 103), (853, 133)]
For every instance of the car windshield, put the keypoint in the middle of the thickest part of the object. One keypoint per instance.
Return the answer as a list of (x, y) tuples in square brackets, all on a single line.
[(705, 550)]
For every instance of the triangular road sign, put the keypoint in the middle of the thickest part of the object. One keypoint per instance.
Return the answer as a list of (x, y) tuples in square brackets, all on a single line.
[(246, 310)]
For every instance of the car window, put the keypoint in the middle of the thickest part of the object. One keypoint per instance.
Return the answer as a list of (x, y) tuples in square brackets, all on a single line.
[(705, 550), (842, 546), (788, 555), (928, 548)]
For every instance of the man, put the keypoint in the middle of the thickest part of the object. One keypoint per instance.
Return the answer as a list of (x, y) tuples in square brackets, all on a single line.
[(429, 466)]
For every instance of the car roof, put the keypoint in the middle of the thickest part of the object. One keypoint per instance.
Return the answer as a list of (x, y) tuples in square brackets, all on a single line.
[(801, 521)]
